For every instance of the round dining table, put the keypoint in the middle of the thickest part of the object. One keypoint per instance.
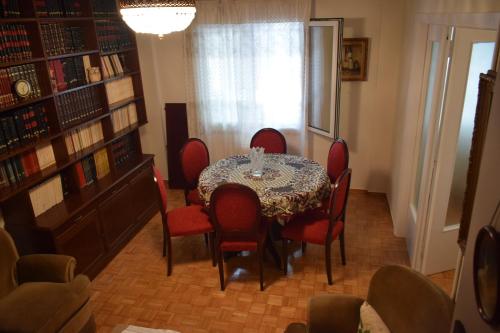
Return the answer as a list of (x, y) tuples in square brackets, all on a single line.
[(289, 184)]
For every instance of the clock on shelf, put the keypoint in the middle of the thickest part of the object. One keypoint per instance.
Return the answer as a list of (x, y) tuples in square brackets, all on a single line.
[(22, 88)]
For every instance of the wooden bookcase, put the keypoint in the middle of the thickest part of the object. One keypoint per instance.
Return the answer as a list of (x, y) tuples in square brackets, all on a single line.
[(93, 222)]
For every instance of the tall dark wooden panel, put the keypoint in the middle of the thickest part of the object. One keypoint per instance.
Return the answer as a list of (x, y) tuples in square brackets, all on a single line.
[(177, 135)]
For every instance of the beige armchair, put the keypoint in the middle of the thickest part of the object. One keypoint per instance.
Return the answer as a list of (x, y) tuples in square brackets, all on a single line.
[(407, 301), (38, 293)]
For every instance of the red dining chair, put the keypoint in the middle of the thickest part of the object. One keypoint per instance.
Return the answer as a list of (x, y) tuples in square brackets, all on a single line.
[(194, 158), (183, 221), (236, 214), (322, 228), (272, 140), (338, 159)]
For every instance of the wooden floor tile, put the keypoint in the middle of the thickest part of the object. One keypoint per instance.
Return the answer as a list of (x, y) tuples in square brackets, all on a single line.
[(134, 288)]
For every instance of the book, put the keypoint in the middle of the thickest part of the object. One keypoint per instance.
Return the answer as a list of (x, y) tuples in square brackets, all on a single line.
[(78, 106), (46, 195), (23, 126), (84, 137), (119, 90), (45, 156), (124, 117), (113, 36), (59, 39), (124, 150), (101, 163), (9, 8), (104, 8), (14, 43)]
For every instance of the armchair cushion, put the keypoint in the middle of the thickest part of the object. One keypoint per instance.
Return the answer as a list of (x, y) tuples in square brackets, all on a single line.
[(370, 321), (42, 306), (45, 268), (334, 314)]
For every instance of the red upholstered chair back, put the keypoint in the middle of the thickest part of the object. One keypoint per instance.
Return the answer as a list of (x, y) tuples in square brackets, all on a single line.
[(161, 187), (235, 212), (194, 158), (269, 138), (339, 194), (338, 159)]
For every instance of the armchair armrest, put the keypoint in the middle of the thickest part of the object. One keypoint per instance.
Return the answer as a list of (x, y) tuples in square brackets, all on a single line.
[(45, 268), (334, 314)]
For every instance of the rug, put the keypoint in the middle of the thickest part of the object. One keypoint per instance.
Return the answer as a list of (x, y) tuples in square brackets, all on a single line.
[(137, 329)]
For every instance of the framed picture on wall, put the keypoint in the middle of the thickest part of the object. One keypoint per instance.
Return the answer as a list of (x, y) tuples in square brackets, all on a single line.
[(354, 59)]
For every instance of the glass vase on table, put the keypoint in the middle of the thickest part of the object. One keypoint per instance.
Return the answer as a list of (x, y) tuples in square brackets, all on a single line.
[(257, 161)]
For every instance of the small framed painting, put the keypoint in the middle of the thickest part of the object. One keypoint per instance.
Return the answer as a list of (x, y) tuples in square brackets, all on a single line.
[(354, 59)]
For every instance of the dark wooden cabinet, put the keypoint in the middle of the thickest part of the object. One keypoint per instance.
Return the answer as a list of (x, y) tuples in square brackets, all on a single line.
[(117, 215), (83, 240)]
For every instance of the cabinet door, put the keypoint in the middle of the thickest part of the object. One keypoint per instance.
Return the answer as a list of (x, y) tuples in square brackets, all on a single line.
[(116, 213), (83, 241), (145, 194)]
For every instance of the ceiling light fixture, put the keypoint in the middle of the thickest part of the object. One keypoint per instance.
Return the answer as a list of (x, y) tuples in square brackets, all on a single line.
[(157, 17)]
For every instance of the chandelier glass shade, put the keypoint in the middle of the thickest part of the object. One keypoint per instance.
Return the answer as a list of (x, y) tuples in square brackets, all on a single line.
[(157, 17)]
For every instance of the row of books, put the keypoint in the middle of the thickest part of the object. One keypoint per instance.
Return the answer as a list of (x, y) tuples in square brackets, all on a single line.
[(103, 8), (9, 8), (77, 106), (124, 150), (14, 43), (68, 73), (57, 8), (119, 90), (113, 36), (84, 137), (11, 75), (124, 117), (112, 65), (20, 167), (46, 195), (92, 168), (60, 39), (23, 126)]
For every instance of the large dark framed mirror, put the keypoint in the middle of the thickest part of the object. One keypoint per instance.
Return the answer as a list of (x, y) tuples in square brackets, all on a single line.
[(486, 272)]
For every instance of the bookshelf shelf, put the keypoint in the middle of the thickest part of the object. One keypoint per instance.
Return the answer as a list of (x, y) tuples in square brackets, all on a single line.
[(118, 77), (124, 102), (130, 49), (59, 93), (25, 103), (65, 19), (108, 177), (69, 55), (21, 62)]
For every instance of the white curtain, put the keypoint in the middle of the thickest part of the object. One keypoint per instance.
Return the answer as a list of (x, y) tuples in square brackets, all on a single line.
[(245, 71)]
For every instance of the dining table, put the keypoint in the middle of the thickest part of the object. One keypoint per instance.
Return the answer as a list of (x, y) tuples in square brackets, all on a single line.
[(288, 184)]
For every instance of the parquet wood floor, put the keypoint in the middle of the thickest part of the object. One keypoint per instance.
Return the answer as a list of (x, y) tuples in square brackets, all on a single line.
[(134, 288)]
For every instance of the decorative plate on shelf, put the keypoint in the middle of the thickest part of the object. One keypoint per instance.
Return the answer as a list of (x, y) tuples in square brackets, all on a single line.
[(23, 88)]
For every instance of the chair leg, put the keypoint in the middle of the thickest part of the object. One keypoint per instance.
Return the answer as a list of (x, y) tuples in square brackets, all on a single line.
[(261, 268), (285, 255), (304, 246), (164, 241), (328, 260), (206, 240), (221, 269), (211, 237), (169, 257), (342, 247)]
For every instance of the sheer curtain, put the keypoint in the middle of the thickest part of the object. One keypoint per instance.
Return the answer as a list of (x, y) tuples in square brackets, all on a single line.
[(246, 71)]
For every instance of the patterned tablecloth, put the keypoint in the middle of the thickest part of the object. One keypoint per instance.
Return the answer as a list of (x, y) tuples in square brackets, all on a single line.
[(289, 184)]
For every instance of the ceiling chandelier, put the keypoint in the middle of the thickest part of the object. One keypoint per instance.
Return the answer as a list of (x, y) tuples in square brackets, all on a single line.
[(156, 16)]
